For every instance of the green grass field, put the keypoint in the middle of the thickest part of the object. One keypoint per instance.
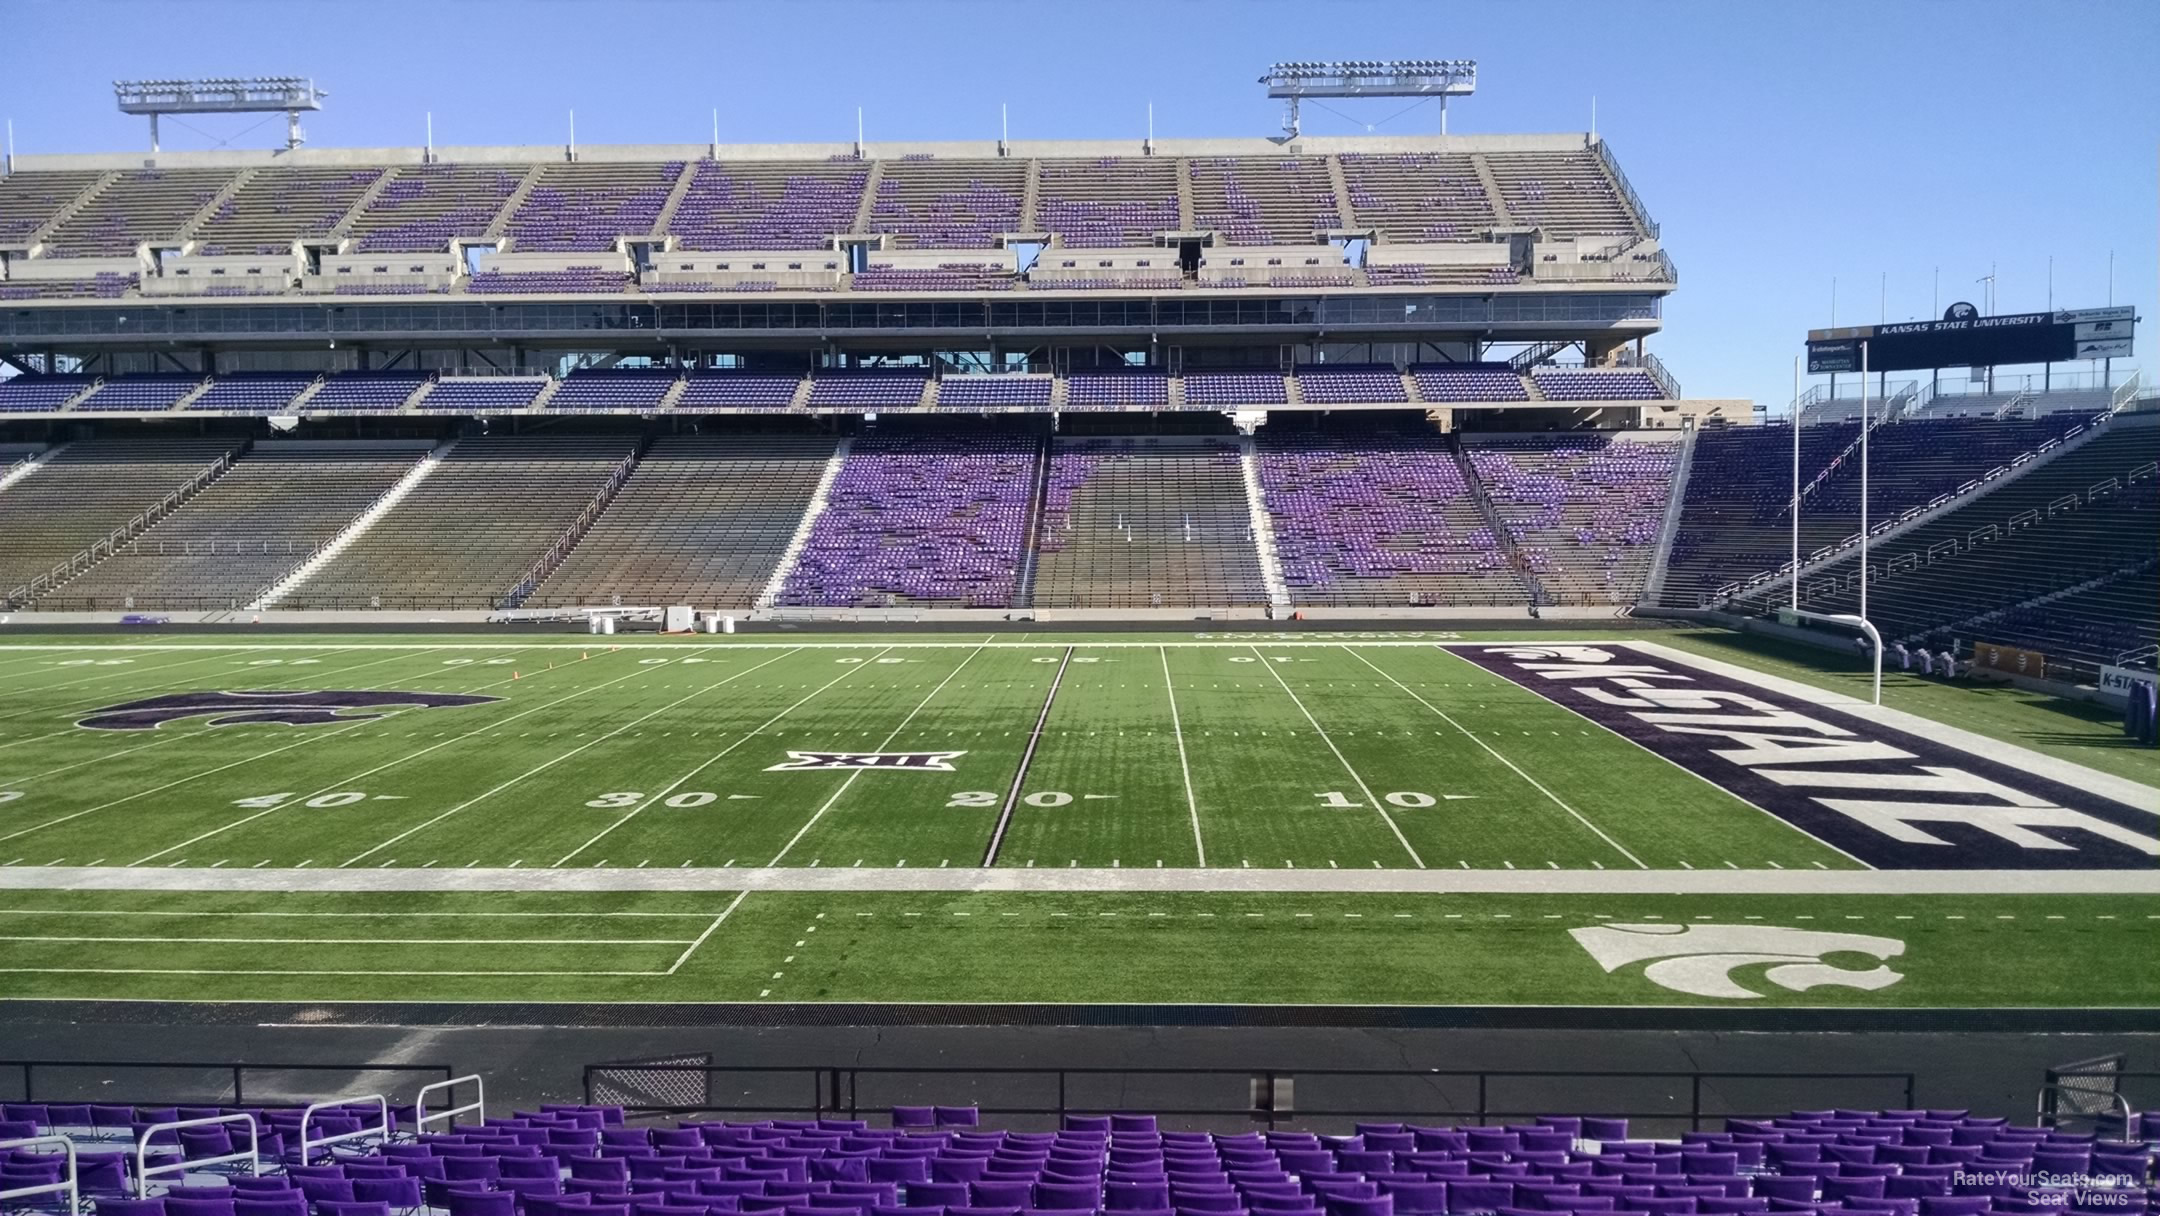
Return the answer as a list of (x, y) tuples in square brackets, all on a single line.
[(1182, 753)]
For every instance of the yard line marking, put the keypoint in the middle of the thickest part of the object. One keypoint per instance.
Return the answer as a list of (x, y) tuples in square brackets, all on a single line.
[(716, 757), (820, 814), (726, 912), (302, 742), (1370, 800), (1177, 731), (533, 771), (1534, 782), (1027, 756), (347, 782)]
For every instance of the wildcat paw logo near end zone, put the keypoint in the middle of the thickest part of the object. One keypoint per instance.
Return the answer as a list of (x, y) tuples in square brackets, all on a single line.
[(283, 708), (1700, 959), (914, 762)]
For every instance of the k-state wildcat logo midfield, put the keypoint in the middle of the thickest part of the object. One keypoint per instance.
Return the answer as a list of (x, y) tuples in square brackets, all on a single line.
[(283, 708)]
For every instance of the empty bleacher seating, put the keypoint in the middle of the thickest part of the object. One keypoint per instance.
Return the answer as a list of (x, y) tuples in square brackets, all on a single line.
[(1375, 521), (277, 206), (1146, 523), (483, 394), (1582, 507), (1418, 196), (931, 203), (703, 521), (590, 205), (424, 207), (1566, 194), (29, 201), (949, 1159), (1734, 524), (930, 521), (768, 205), (2092, 513), (1110, 203), (426, 551), (240, 533), (85, 491), (1259, 201), (140, 205), (37, 394)]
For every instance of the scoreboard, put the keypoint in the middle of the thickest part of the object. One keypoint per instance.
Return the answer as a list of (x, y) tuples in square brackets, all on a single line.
[(1964, 338)]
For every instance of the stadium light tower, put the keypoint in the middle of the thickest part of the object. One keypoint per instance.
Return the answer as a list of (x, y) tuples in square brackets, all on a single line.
[(222, 95), (1441, 78)]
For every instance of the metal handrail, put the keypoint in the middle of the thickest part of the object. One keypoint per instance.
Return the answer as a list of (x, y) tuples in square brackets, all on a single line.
[(122, 534), (1627, 191), (256, 600), (478, 1106), (836, 1090), (144, 1170), (1733, 589), (381, 1129), (571, 535), (27, 1070), (68, 1184), (2041, 1110)]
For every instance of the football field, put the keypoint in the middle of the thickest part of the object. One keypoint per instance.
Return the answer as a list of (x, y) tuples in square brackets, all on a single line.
[(1196, 818)]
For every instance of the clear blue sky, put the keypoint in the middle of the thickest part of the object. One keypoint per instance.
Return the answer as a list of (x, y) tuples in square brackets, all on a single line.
[(1778, 144)]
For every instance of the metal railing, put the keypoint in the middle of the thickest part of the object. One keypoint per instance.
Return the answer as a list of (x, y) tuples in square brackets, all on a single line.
[(144, 1171), (1481, 1096), (1620, 182), (380, 1132), (28, 1072), (1731, 591), (538, 572), (448, 1116), (68, 1185), (122, 534), (256, 600)]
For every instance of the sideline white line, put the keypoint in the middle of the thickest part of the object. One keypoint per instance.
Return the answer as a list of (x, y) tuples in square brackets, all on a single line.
[(691, 949), (315, 972), (805, 830), (255, 912), (1539, 786), (1177, 731), (716, 757), (352, 941), (1056, 879), (1370, 800), (1076, 637)]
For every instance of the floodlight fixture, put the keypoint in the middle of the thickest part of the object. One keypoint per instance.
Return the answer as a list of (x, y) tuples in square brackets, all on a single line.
[(1442, 78), (222, 95)]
